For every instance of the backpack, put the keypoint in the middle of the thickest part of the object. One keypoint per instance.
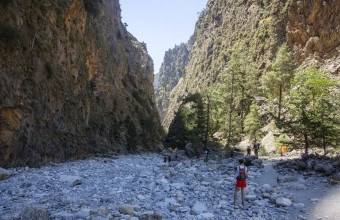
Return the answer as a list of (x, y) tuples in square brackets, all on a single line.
[(242, 174)]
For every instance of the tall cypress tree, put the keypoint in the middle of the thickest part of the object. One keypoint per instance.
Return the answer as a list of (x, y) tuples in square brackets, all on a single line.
[(177, 135)]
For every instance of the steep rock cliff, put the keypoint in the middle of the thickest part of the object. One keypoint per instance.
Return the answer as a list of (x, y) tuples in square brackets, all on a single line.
[(172, 69), (73, 81), (257, 28)]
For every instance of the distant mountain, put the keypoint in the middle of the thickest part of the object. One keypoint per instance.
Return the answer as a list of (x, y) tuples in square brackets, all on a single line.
[(172, 69)]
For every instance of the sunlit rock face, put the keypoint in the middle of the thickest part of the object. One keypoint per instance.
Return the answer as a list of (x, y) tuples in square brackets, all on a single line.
[(258, 28), (73, 81)]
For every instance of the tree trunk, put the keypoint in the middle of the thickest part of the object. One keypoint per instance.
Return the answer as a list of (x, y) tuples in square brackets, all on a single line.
[(324, 143), (230, 107), (280, 97), (207, 131), (306, 142)]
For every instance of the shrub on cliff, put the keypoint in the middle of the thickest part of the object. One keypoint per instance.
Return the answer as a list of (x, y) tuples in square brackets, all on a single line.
[(8, 33), (92, 6), (4, 2)]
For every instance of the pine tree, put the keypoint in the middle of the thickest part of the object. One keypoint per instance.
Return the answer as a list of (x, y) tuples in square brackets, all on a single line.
[(253, 123), (177, 134), (188, 124), (312, 110), (232, 97), (278, 79)]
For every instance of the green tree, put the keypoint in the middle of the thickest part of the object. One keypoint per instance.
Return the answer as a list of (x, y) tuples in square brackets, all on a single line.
[(278, 79), (312, 109), (177, 135), (188, 124), (232, 97), (195, 116), (253, 123)]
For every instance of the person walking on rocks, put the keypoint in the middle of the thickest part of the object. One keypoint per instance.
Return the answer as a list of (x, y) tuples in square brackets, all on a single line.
[(242, 174), (231, 153), (198, 155), (256, 149), (248, 151)]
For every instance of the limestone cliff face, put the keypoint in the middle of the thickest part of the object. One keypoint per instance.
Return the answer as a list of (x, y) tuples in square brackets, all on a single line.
[(257, 28), (73, 81), (172, 69)]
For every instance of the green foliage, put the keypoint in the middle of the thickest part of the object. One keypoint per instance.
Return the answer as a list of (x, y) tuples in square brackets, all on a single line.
[(188, 124), (282, 140), (244, 87), (5, 2), (283, 70), (177, 135), (312, 110), (9, 33), (278, 80), (92, 6), (253, 123), (313, 83), (50, 70), (263, 152), (195, 116), (132, 135)]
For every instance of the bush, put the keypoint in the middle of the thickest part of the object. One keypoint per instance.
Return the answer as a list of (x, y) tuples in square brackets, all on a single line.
[(4, 2), (92, 6), (8, 33), (50, 70)]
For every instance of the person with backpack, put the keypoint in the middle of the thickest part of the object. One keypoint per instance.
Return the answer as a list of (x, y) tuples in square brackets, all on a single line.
[(242, 174), (248, 151), (198, 155)]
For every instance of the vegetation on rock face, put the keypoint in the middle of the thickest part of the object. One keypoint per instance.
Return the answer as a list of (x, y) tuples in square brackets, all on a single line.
[(75, 83), (92, 6), (248, 54), (172, 69), (8, 33)]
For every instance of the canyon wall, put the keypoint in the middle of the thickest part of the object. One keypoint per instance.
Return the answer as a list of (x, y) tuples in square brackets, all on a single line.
[(256, 29), (73, 81)]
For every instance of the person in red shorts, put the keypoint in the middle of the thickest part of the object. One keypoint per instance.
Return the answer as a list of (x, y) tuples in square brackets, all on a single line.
[(242, 174)]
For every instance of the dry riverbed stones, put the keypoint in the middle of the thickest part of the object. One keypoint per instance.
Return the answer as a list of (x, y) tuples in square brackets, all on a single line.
[(141, 187)]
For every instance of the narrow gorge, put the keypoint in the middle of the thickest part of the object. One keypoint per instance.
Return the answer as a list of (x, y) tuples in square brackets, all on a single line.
[(254, 29)]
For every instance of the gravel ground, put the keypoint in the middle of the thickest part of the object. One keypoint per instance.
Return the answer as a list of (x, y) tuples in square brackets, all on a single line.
[(144, 187)]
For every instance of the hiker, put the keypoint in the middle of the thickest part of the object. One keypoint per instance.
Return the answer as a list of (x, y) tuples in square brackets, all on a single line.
[(248, 151), (242, 174), (207, 151), (256, 149), (169, 158), (198, 155), (164, 159), (176, 157), (231, 153)]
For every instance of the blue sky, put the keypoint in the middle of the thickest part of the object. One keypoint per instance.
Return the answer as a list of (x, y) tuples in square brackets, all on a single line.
[(161, 24)]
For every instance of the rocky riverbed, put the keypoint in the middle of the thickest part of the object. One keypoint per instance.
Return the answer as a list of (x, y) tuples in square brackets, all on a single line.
[(144, 187)]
